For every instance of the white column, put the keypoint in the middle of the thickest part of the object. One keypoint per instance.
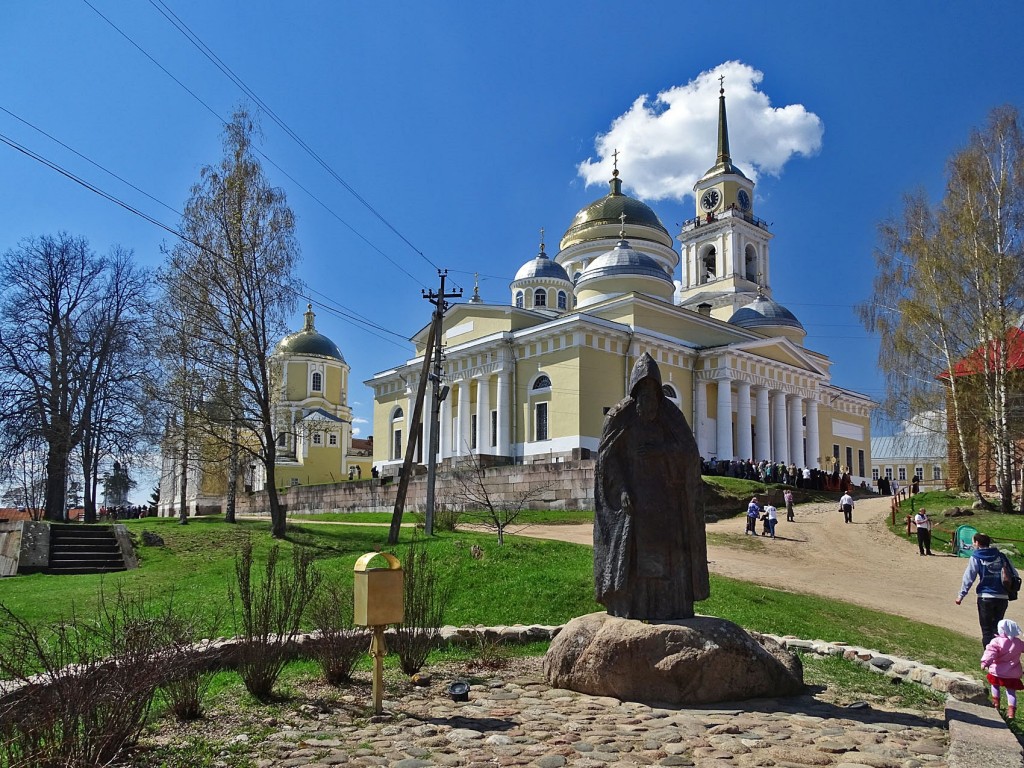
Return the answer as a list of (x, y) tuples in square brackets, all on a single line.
[(813, 442), (504, 413), (744, 450), (796, 430), (445, 443), (462, 449), (700, 411), (780, 435), (483, 415), (427, 417), (762, 426), (724, 420)]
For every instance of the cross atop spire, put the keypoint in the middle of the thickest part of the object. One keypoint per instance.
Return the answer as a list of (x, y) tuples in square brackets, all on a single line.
[(721, 84), (622, 229), (309, 318), (615, 162)]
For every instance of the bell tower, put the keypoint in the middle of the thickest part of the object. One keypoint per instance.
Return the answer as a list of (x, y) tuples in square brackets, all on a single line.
[(725, 246)]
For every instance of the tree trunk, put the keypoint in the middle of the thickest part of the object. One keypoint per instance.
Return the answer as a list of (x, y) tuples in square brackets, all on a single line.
[(56, 475), (183, 509)]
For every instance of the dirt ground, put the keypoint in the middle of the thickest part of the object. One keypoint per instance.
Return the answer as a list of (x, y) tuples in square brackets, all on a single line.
[(860, 562)]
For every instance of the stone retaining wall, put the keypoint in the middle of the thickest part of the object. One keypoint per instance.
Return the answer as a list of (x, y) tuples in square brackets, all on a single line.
[(560, 485)]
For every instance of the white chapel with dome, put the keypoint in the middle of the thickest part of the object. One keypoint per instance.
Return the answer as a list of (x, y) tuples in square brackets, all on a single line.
[(531, 379)]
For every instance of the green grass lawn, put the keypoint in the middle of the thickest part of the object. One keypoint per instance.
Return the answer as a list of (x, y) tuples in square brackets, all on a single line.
[(525, 581)]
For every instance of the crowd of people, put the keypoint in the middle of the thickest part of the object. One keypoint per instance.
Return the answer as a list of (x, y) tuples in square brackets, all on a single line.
[(127, 512), (778, 472)]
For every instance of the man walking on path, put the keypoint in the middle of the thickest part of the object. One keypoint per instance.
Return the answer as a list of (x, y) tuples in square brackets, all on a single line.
[(846, 504), (788, 498), (924, 531)]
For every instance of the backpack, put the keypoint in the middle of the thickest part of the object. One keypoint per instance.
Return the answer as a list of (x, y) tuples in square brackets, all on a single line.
[(1011, 581)]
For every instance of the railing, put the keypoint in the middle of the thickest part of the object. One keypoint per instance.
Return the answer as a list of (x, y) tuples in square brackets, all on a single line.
[(728, 213)]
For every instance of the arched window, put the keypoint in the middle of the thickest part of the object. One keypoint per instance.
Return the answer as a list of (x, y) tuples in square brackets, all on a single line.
[(708, 265), (563, 300), (318, 382), (750, 259), (396, 433), (398, 414), (576, 277), (542, 382), (669, 392), (540, 298), (519, 299)]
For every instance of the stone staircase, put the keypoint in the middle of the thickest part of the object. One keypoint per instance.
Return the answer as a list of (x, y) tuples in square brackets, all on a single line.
[(77, 549)]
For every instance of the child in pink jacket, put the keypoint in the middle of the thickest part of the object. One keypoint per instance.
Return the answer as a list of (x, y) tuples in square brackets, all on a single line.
[(1002, 661)]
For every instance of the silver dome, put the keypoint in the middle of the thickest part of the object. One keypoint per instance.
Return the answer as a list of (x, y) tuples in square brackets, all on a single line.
[(763, 312), (623, 261), (542, 266)]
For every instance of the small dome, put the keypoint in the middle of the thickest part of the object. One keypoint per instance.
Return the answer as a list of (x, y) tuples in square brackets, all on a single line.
[(608, 210), (764, 312), (542, 267), (623, 261), (308, 341)]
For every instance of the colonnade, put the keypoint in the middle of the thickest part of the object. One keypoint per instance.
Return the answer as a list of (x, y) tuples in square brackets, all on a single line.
[(458, 440), (777, 419)]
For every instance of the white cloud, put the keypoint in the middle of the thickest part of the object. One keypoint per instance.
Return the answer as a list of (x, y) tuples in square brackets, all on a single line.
[(667, 143), (356, 431), (360, 420)]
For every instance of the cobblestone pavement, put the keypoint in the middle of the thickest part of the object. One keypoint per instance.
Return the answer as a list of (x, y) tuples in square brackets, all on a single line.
[(517, 719)]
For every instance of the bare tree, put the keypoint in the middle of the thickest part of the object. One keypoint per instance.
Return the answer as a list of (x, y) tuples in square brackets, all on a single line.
[(492, 504), (949, 295), (24, 472), (239, 236), (66, 316)]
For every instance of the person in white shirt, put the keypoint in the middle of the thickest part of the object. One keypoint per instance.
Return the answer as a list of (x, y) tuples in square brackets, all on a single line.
[(773, 517), (924, 531), (846, 505)]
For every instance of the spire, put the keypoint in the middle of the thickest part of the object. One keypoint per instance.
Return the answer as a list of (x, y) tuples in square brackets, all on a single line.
[(622, 226), (309, 318), (615, 183), (476, 290), (542, 254), (723, 126)]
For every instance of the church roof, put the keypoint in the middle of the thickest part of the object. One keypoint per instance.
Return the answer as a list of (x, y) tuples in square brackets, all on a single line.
[(308, 341), (622, 261), (764, 312), (609, 209), (542, 267)]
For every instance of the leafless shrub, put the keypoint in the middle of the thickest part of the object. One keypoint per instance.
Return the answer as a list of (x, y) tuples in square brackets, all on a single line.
[(86, 686), (484, 504), (268, 614), (189, 673), (340, 643), (491, 652), (426, 602)]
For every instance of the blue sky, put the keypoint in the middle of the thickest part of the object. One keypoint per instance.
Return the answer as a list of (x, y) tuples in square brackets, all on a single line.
[(470, 125)]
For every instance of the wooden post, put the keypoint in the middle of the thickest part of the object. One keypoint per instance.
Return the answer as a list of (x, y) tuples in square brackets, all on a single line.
[(378, 650)]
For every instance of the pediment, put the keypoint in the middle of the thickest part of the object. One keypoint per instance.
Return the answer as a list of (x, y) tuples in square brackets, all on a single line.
[(782, 350)]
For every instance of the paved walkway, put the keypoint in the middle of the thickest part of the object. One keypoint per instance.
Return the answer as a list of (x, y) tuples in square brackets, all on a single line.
[(517, 719)]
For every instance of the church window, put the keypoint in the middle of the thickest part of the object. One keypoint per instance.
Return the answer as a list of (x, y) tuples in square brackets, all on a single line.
[(519, 299), (669, 392), (860, 462), (540, 298), (494, 429), (576, 277), (563, 301), (903, 473), (399, 414), (750, 259), (936, 472), (542, 382), (888, 473), (282, 439), (540, 422), (318, 382), (472, 432), (849, 459), (318, 439), (396, 452), (709, 266), (874, 474), (332, 439), (919, 473)]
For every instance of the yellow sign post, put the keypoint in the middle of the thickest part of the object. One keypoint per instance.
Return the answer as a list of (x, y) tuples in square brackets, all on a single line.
[(379, 600)]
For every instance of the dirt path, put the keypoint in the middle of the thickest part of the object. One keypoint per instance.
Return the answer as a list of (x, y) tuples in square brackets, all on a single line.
[(860, 563)]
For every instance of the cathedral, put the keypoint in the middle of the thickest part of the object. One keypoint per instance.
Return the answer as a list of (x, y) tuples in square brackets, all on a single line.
[(530, 380), (313, 424)]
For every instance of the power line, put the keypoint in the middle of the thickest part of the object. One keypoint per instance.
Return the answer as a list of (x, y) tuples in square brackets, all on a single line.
[(203, 48), (262, 154), (342, 314)]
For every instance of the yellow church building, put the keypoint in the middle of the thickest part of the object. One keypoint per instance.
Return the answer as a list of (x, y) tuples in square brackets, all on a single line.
[(313, 424), (532, 377)]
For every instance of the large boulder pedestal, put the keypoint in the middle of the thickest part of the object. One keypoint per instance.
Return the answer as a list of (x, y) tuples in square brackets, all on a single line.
[(688, 661)]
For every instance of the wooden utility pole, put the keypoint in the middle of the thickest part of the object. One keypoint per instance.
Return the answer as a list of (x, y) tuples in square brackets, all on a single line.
[(415, 435), (440, 392)]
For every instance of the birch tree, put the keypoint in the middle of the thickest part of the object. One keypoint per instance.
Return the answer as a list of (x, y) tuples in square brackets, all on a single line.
[(949, 297)]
